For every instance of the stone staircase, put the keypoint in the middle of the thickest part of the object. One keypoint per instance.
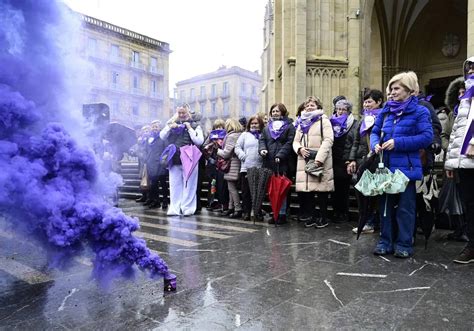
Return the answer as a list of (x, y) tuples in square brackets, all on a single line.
[(130, 189)]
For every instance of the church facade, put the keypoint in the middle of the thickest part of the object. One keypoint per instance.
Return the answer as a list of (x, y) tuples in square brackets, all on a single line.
[(344, 47)]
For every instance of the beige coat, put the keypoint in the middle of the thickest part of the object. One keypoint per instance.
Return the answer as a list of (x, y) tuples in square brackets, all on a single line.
[(227, 153), (312, 140)]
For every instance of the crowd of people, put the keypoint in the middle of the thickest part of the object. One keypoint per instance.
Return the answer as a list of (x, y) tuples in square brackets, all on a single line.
[(323, 156)]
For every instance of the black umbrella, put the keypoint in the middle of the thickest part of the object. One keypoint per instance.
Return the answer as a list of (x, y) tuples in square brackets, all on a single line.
[(258, 180), (363, 201), (121, 137), (430, 192)]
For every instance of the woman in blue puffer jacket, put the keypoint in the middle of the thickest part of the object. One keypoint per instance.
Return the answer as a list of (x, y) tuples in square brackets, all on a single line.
[(402, 128)]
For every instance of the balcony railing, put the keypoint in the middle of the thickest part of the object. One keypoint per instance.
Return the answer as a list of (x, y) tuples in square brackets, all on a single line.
[(202, 98), (225, 94), (213, 96), (254, 97), (117, 60), (157, 95), (117, 87), (137, 65), (192, 99), (137, 91), (244, 95), (157, 71)]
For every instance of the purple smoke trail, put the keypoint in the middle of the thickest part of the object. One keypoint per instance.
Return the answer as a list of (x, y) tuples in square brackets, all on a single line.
[(48, 182)]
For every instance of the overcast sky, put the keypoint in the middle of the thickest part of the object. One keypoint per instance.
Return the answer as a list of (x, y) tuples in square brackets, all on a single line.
[(203, 34)]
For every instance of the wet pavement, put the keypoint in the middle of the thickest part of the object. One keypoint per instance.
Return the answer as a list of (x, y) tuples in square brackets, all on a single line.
[(236, 275)]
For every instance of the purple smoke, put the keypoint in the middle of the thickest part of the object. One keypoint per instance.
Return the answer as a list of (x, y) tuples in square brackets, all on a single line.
[(49, 182)]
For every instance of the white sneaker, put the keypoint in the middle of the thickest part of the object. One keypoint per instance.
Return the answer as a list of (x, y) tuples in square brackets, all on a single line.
[(366, 229)]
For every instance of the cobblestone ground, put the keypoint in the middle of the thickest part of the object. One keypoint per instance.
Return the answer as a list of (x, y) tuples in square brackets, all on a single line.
[(236, 275)]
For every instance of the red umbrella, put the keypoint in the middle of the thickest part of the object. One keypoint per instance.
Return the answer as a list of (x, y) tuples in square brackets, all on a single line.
[(278, 188), (189, 156)]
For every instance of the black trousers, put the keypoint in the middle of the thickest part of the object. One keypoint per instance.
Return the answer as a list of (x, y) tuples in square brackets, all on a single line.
[(222, 189), (159, 186), (340, 196), (466, 184), (308, 204)]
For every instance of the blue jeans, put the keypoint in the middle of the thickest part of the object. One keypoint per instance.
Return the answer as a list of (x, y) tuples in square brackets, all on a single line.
[(283, 208), (404, 216)]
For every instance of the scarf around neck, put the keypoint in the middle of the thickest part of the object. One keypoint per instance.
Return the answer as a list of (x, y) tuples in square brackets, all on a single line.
[(397, 107), (307, 119), (255, 133), (339, 124), (369, 120), (469, 83), (217, 134), (277, 127), (178, 130)]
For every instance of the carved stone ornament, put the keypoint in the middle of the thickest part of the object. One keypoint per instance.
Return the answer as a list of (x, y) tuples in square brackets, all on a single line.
[(451, 45)]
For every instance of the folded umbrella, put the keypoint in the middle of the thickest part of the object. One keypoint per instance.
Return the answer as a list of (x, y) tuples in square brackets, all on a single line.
[(261, 182), (429, 189), (189, 155), (278, 188), (449, 199)]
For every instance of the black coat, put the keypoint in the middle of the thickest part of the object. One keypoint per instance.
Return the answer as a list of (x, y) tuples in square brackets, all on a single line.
[(435, 147), (341, 150), (154, 151), (281, 148)]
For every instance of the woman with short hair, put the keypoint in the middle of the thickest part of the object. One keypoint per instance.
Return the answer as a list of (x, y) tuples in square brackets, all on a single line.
[(275, 147), (313, 143), (402, 128), (180, 131)]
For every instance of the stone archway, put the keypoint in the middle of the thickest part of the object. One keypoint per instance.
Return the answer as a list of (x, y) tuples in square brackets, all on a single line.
[(421, 35)]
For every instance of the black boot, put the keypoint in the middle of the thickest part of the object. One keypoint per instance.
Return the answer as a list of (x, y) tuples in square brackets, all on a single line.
[(154, 204), (142, 198), (236, 214)]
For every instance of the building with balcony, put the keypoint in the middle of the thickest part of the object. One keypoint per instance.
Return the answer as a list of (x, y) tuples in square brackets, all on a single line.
[(227, 92), (127, 71)]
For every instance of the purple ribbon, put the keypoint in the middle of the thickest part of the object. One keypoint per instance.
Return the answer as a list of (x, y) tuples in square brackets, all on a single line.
[(179, 130), (217, 134), (256, 133), (274, 133), (368, 112), (305, 125), (455, 110), (339, 124)]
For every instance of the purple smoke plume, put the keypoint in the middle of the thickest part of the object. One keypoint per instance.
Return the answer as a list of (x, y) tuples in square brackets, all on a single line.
[(49, 181)]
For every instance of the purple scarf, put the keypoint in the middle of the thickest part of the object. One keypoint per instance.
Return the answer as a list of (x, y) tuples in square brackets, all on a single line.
[(217, 134), (305, 124), (256, 133), (274, 132), (455, 110), (397, 107), (339, 124), (179, 130), (368, 112), (469, 88)]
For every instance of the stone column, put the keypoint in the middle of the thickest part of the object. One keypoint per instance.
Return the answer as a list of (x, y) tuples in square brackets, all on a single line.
[(299, 94), (354, 52), (470, 28)]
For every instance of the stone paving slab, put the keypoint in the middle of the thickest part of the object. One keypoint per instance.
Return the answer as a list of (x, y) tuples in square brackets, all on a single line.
[(259, 278)]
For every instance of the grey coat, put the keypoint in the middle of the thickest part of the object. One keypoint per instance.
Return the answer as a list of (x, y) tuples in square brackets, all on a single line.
[(246, 150), (227, 153)]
